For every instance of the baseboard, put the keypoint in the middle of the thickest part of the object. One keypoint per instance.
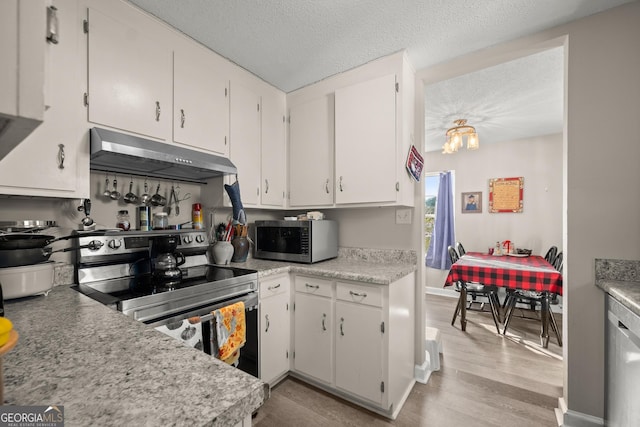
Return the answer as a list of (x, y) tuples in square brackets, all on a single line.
[(577, 419), (442, 292), (422, 372), (452, 293)]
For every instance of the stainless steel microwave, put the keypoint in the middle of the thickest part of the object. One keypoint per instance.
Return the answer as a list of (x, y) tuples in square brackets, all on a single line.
[(296, 241)]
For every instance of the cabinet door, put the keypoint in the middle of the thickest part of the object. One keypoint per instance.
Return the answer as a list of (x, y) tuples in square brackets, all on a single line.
[(273, 150), (201, 102), (313, 339), (245, 141), (274, 336), (50, 161), (366, 142), (129, 77), (311, 153), (359, 346)]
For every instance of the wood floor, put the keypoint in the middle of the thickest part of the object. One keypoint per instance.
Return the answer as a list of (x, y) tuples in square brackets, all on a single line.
[(485, 380)]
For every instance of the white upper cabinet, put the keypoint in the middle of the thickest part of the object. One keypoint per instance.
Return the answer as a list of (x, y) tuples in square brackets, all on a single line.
[(273, 150), (311, 130), (245, 141), (52, 161), (200, 101), (130, 75), (365, 144)]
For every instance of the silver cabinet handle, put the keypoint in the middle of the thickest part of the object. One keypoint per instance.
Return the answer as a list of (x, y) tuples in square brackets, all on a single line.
[(257, 191), (356, 294), (266, 318), (341, 323), (326, 186), (274, 287), (312, 286), (324, 318), (157, 111), (182, 118), (266, 185), (61, 156), (340, 184)]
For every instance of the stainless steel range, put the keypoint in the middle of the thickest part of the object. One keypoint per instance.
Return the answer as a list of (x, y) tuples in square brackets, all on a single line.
[(124, 274)]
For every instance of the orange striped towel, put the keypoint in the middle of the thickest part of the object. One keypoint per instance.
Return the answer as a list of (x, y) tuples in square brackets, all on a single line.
[(228, 332)]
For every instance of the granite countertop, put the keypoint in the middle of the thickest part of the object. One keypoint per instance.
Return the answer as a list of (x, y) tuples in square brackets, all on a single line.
[(376, 267), (621, 280), (108, 369)]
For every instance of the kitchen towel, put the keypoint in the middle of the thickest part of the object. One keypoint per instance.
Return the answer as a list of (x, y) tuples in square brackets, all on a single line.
[(228, 332)]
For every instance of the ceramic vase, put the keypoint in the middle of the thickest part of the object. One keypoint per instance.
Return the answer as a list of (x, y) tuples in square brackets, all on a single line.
[(240, 249), (222, 253)]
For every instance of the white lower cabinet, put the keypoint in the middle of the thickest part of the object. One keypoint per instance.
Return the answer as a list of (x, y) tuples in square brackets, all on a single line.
[(275, 328), (359, 350), (365, 350), (313, 328)]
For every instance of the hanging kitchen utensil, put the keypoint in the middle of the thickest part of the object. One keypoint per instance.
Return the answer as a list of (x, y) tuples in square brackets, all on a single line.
[(107, 192), (175, 195), (131, 197), (146, 197), (172, 196), (86, 207), (20, 257), (157, 199), (115, 194)]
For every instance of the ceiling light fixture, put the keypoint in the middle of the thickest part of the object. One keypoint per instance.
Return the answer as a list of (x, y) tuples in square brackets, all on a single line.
[(456, 134)]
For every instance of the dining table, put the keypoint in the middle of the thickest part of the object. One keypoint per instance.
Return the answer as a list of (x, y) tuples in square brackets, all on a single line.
[(510, 271)]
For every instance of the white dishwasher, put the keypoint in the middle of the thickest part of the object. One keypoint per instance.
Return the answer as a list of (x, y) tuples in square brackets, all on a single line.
[(622, 365)]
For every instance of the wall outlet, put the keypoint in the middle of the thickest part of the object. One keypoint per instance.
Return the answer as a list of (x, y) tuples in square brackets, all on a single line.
[(403, 216)]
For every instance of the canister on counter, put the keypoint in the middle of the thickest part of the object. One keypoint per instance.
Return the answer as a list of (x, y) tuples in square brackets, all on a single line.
[(196, 216), (144, 212)]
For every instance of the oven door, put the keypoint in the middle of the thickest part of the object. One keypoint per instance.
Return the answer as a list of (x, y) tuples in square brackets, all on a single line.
[(197, 334)]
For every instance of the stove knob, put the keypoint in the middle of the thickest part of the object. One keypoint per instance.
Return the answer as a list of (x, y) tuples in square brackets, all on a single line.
[(199, 238), (115, 243), (187, 239)]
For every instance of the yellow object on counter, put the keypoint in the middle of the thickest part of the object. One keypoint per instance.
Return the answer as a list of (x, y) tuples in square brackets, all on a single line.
[(5, 329)]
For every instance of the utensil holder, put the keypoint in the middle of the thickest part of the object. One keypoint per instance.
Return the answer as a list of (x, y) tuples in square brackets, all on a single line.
[(240, 249), (222, 252)]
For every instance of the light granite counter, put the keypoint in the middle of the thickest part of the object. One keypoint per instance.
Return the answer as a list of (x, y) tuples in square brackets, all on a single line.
[(380, 267), (110, 370), (621, 280)]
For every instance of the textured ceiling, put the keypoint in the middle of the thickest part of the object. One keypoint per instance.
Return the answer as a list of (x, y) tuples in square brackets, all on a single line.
[(293, 43), (515, 100)]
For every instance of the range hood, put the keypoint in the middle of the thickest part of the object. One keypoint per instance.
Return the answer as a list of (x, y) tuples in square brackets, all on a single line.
[(115, 152)]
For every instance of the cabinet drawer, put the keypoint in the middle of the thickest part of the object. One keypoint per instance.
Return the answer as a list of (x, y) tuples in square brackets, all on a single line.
[(368, 295), (310, 285), (274, 286)]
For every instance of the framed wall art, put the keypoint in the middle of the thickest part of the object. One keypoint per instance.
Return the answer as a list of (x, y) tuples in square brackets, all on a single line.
[(505, 194), (471, 202)]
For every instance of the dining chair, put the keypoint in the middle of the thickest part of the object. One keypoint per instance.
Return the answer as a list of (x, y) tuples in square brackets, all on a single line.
[(473, 289), (551, 254), (557, 263), (460, 249), (532, 299)]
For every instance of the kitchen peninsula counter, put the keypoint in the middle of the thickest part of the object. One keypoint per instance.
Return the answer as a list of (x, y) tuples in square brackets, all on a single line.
[(381, 267), (108, 369)]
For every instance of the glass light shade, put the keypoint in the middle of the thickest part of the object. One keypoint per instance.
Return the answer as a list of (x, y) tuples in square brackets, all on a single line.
[(456, 141), (473, 143)]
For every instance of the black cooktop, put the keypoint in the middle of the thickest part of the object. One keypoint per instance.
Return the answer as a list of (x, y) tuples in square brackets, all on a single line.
[(208, 276)]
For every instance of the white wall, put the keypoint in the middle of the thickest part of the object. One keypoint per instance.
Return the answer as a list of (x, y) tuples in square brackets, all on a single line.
[(601, 148), (539, 161)]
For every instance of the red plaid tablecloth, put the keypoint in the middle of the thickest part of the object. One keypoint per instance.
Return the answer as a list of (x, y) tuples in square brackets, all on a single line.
[(532, 273)]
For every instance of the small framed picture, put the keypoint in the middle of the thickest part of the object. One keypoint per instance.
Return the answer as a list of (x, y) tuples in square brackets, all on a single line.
[(472, 202)]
